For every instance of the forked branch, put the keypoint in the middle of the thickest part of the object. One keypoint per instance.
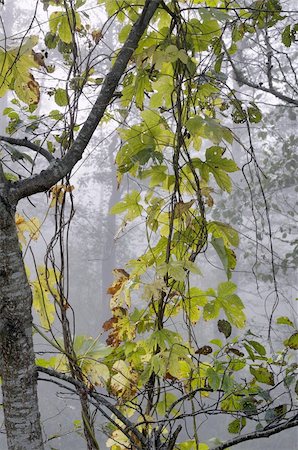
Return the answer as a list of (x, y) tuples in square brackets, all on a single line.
[(59, 168)]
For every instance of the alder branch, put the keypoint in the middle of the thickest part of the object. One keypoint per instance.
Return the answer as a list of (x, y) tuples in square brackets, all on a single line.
[(30, 145), (271, 90), (291, 423), (60, 167), (130, 427)]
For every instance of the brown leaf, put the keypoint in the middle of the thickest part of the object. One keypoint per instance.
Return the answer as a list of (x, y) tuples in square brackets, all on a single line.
[(181, 208), (121, 276), (205, 350), (168, 376), (34, 88), (235, 351), (108, 324), (39, 58), (96, 36)]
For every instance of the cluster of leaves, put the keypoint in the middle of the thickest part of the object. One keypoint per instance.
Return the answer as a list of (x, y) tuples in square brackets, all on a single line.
[(179, 151), (175, 210), (15, 72)]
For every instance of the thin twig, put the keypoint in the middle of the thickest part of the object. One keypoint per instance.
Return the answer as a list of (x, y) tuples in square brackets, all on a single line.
[(258, 434)]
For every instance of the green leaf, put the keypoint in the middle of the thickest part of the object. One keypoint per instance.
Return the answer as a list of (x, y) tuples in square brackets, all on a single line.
[(224, 327), (231, 403), (214, 380), (201, 297), (17, 155), (176, 270), (226, 289), (254, 113), (233, 306), (248, 406), (15, 65), (192, 445), (225, 231), (275, 413), (51, 362), (284, 320), (54, 21), (164, 339), (258, 347), (217, 342), (130, 204), (292, 342), (142, 83), (10, 176), (237, 364), (249, 351), (286, 36), (61, 97), (66, 27), (164, 405), (51, 40), (224, 255), (262, 374), (237, 425), (218, 63), (211, 310)]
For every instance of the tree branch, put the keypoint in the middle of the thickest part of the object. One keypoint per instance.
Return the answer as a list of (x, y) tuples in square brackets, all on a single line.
[(59, 168), (130, 427), (271, 90), (258, 434), (28, 144)]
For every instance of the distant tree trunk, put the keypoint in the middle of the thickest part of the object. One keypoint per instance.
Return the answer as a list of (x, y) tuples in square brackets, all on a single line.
[(19, 378), (110, 261)]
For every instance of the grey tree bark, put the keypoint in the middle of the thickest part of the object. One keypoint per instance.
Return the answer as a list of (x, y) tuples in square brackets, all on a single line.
[(17, 366), (19, 384)]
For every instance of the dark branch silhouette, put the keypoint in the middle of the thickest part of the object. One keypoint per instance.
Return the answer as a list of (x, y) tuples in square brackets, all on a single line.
[(291, 423)]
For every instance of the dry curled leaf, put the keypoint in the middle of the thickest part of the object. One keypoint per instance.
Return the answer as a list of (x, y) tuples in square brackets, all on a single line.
[(124, 383), (96, 36), (205, 350), (120, 295), (120, 327), (181, 208), (58, 192)]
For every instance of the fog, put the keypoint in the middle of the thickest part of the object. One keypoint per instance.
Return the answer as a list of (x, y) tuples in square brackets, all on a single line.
[(99, 242)]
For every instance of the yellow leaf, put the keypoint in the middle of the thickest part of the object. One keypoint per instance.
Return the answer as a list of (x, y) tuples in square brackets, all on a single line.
[(58, 192), (98, 374), (30, 226), (119, 289), (61, 364), (15, 65), (124, 382), (27, 89), (43, 289), (118, 441), (65, 32)]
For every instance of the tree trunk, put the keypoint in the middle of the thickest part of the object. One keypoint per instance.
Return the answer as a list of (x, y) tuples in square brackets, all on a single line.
[(19, 378)]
